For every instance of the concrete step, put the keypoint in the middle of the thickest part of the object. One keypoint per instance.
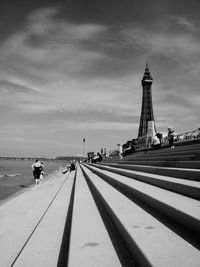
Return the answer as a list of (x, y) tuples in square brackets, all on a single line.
[(169, 153), (149, 241), (90, 244), (186, 143), (184, 150), (168, 158), (162, 163), (189, 174), (195, 147), (168, 206), (184, 187)]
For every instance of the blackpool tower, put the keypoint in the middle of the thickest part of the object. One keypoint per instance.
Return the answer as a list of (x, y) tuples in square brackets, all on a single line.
[(147, 117)]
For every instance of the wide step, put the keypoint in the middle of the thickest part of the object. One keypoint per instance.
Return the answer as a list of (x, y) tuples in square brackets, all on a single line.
[(90, 244)]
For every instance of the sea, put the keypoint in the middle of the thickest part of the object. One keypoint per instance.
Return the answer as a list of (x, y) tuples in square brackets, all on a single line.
[(16, 175)]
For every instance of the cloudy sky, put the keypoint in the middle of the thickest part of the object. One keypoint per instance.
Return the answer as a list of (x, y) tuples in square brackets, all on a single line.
[(72, 69)]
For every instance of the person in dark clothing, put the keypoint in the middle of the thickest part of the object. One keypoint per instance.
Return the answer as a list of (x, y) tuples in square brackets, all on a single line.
[(171, 137), (99, 157), (129, 148), (72, 166), (160, 137), (37, 168)]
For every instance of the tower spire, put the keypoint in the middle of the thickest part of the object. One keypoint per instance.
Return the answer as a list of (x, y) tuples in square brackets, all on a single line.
[(147, 66), (147, 74), (147, 106)]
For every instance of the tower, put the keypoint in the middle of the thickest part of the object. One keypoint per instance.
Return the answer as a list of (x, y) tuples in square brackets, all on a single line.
[(147, 106)]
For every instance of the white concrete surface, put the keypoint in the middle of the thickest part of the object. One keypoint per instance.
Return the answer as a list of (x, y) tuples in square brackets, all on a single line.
[(159, 177), (90, 244), (20, 215), (186, 205), (161, 246), (44, 246)]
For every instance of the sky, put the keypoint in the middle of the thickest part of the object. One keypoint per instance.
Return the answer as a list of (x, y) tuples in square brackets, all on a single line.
[(72, 69)]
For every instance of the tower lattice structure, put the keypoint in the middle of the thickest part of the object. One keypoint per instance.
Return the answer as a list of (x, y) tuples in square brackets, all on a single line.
[(147, 106)]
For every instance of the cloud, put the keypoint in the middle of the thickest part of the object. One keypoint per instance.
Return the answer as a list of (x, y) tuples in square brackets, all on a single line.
[(31, 141), (174, 46), (189, 25), (6, 86), (50, 57), (100, 126), (60, 79), (46, 21)]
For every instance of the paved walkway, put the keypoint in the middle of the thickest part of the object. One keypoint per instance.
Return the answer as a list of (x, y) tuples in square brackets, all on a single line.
[(32, 223)]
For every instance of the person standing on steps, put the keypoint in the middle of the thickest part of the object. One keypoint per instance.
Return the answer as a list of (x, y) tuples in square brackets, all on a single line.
[(120, 151), (159, 135), (37, 168), (171, 137)]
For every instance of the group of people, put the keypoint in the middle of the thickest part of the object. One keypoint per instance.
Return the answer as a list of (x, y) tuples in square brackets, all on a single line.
[(158, 141), (38, 171), (38, 166), (126, 149), (94, 158)]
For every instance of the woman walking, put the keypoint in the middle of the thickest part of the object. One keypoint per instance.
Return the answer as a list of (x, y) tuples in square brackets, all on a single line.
[(37, 168)]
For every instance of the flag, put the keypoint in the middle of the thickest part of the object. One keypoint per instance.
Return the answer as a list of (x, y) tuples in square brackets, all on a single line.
[(83, 140)]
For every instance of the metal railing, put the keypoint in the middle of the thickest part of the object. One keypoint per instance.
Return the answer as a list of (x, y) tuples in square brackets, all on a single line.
[(188, 135)]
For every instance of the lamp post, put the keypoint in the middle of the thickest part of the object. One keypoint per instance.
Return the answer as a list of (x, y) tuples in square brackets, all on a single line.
[(83, 147)]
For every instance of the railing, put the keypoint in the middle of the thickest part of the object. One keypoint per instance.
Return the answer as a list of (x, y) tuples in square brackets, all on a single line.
[(143, 142), (188, 135)]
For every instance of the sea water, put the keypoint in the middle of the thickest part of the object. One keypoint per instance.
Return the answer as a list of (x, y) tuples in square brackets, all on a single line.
[(17, 174)]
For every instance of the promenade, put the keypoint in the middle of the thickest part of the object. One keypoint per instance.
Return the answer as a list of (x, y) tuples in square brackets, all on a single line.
[(141, 211)]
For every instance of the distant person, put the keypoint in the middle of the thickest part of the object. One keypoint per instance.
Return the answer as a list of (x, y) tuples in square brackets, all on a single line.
[(171, 137), (106, 154), (42, 172), (120, 151), (72, 166), (37, 168), (156, 143), (159, 135), (129, 148), (98, 158), (41, 175)]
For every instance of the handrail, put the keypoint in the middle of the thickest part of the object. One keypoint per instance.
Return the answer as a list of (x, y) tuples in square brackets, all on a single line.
[(188, 135)]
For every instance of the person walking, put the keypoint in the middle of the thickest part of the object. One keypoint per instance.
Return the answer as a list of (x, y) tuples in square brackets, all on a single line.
[(171, 137), (120, 151), (37, 168)]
